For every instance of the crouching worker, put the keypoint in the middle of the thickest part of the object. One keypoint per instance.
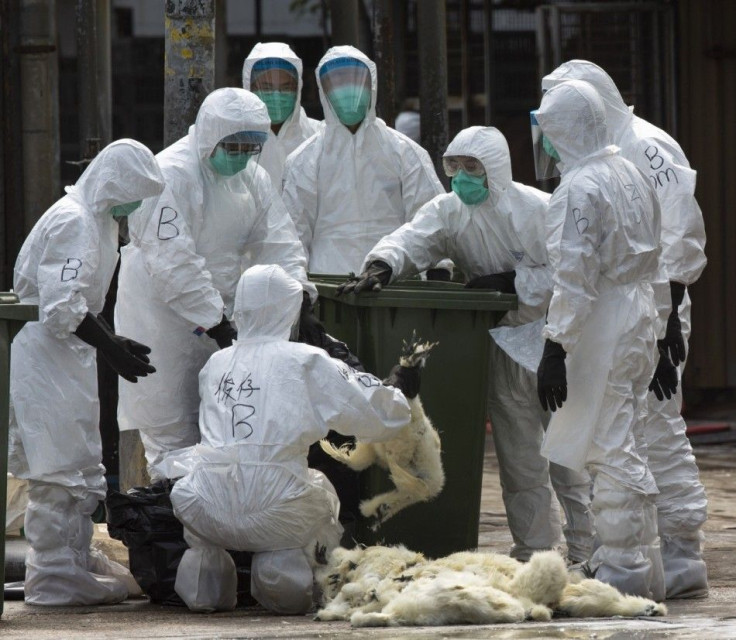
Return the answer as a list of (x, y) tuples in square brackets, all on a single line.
[(65, 267), (264, 401)]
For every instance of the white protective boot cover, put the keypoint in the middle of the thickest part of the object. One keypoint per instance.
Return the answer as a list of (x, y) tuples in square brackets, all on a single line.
[(96, 561), (682, 506), (281, 581), (206, 579), (56, 572), (685, 573), (628, 557), (573, 489)]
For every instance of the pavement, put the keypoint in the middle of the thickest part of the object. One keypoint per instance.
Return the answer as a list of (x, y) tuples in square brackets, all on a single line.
[(711, 617)]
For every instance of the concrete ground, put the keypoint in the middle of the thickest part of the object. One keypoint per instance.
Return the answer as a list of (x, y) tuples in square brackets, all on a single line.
[(711, 617)]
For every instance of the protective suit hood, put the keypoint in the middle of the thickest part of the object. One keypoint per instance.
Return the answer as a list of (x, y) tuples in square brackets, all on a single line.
[(267, 303), (488, 145), (618, 115), (573, 118), (346, 51), (283, 51), (123, 172), (223, 113)]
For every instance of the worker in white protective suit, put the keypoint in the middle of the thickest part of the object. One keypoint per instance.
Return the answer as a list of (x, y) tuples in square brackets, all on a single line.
[(346, 187), (681, 502), (357, 179), (264, 401), (218, 214), (65, 267), (410, 124), (600, 352), (274, 73), (493, 230)]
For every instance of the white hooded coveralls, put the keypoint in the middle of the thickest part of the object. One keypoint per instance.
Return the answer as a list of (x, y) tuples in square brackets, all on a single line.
[(346, 191), (503, 233), (179, 273), (265, 400), (681, 502), (296, 128), (65, 267), (603, 247)]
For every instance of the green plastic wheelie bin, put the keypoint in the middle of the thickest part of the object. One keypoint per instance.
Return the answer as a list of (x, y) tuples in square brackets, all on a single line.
[(453, 393), (13, 316)]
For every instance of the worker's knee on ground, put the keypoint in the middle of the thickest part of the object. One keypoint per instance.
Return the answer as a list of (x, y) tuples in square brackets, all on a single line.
[(206, 579), (281, 581)]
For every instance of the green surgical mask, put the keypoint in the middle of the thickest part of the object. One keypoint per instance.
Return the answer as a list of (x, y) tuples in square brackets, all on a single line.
[(124, 210), (350, 103), (551, 151), (470, 189), (227, 164), (280, 104)]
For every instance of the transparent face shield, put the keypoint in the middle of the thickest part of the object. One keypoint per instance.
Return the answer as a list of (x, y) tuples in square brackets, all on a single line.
[(545, 155), (234, 152), (276, 82), (346, 83)]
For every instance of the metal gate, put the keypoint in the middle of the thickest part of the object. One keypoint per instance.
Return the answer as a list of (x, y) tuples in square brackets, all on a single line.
[(632, 41)]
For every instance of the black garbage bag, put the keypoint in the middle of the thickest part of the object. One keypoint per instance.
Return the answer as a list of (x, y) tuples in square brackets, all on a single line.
[(144, 521)]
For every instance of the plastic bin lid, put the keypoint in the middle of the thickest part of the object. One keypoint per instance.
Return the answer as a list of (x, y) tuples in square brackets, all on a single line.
[(426, 294)]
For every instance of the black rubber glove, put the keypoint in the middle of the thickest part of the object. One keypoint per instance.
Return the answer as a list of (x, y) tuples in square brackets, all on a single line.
[(552, 376), (664, 382), (673, 342), (503, 282), (439, 275), (223, 333), (311, 330), (128, 358), (339, 350), (376, 275), (406, 379)]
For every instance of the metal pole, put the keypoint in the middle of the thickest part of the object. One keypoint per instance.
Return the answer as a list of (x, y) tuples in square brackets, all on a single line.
[(464, 63), (384, 54), (39, 72), (399, 33), (189, 63), (344, 22), (488, 54), (433, 79), (94, 77), (259, 19), (12, 227), (221, 47)]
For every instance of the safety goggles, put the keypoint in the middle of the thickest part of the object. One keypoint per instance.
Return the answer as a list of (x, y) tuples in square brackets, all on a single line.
[(274, 74), (243, 142), (471, 166), (342, 72)]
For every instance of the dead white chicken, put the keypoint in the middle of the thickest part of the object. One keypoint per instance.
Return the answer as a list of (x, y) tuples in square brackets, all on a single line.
[(393, 586), (413, 458)]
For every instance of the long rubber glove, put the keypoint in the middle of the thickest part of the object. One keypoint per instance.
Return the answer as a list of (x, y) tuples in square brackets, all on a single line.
[(673, 342), (552, 376), (128, 358), (376, 275)]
